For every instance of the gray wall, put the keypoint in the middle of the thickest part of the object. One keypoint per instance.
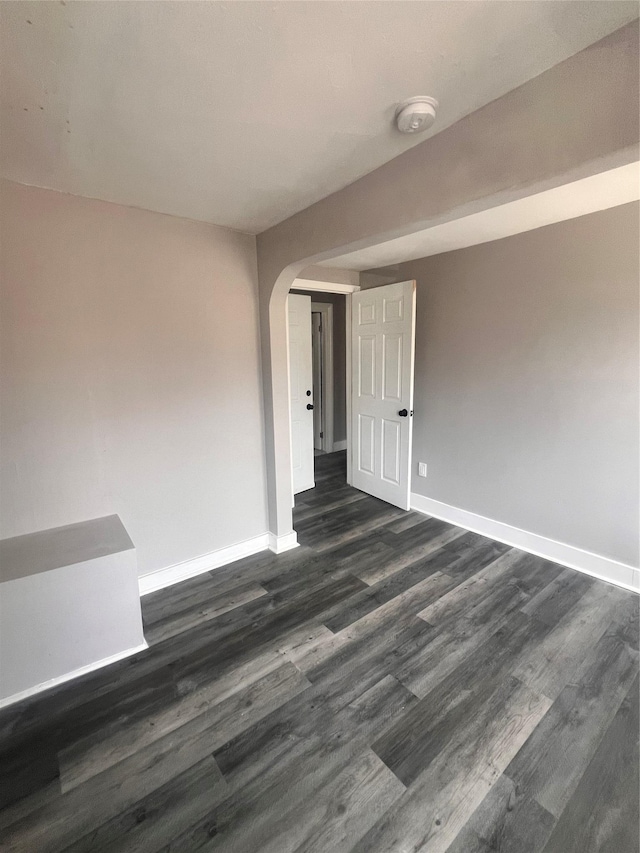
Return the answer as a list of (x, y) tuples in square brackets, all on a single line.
[(526, 388), (130, 378), (339, 359), (541, 135)]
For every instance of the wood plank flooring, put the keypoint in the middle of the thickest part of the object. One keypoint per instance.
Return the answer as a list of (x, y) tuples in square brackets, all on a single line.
[(395, 684)]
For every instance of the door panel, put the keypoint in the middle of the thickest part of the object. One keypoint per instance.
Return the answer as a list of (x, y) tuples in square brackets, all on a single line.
[(392, 367), (367, 313), (366, 444), (392, 310), (382, 361), (300, 382), (391, 452), (367, 373)]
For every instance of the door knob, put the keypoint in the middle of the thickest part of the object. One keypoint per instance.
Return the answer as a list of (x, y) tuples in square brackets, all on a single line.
[(309, 406), (403, 413)]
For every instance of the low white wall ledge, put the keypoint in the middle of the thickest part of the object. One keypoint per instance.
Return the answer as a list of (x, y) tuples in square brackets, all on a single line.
[(69, 604)]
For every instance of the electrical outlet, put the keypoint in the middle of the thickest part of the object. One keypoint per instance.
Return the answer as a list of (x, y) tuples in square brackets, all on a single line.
[(422, 469)]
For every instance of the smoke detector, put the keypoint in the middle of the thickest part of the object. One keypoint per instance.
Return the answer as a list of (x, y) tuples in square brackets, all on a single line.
[(416, 114)]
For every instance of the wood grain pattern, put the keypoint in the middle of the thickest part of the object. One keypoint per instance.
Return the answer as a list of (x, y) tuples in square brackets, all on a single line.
[(443, 797), (506, 821), (394, 684), (552, 763), (601, 814)]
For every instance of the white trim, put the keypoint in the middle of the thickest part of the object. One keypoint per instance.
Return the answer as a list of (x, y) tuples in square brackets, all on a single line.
[(339, 445), (347, 383), (306, 462), (76, 673), (280, 544), (603, 568), (324, 286), (325, 309), (190, 568), (293, 491)]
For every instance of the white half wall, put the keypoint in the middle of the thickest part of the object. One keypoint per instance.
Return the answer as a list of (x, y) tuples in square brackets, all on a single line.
[(68, 605)]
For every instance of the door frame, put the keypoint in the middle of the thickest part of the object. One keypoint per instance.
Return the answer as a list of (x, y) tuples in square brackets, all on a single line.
[(308, 467), (326, 383), (345, 290)]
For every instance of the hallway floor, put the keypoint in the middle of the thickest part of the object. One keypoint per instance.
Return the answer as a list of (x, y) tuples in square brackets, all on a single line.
[(395, 684)]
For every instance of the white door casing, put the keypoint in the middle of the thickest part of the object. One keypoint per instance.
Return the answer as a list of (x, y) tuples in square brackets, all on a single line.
[(325, 309), (316, 349), (382, 365), (300, 391)]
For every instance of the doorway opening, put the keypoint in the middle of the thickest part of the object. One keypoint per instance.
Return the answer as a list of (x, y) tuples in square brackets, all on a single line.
[(319, 403), (376, 362), (324, 391)]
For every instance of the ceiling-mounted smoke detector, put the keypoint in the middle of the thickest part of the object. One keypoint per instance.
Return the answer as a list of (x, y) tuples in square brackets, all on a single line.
[(416, 114)]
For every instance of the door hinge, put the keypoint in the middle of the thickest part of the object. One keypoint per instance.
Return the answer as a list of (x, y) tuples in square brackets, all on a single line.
[(321, 435)]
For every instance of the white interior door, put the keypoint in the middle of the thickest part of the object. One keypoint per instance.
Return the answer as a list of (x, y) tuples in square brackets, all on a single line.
[(382, 361), (300, 392)]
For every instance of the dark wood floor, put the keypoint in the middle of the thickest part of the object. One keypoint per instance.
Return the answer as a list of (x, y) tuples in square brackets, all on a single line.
[(396, 684)]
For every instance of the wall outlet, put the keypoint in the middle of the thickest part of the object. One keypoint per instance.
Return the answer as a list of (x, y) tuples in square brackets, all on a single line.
[(422, 469)]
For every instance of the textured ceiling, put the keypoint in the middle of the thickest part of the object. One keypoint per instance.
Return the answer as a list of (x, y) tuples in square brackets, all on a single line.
[(243, 113)]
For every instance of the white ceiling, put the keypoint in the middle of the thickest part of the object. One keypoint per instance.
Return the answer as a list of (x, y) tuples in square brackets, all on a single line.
[(242, 113), (598, 192)]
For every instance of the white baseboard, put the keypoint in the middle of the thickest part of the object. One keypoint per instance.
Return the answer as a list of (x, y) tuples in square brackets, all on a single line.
[(190, 568), (339, 445), (280, 544), (595, 565), (76, 673)]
